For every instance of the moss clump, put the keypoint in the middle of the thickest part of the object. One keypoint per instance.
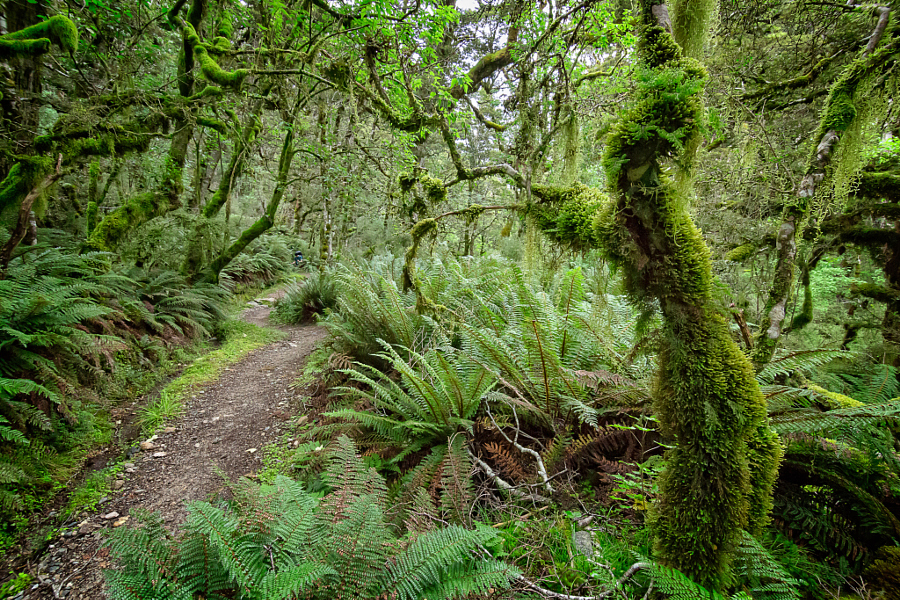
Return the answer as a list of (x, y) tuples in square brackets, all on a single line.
[(94, 180), (839, 110), (805, 316), (338, 72), (472, 212), (741, 253), (58, 30), (22, 177), (110, 231), (434, 188), (834, 400), (406, 181), (220, 45), (568, 216)]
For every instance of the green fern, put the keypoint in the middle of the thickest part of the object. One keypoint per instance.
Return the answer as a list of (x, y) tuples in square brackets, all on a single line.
[(282, 542)]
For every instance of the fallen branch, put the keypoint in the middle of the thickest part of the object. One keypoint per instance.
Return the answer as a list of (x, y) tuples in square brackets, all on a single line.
[(639, 566), (503, 485), (542, 470)]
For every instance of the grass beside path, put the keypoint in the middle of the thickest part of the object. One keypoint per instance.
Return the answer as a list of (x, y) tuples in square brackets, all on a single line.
[(240, 339)]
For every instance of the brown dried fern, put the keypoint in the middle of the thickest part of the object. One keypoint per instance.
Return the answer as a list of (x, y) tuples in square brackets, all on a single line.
[(511, 464)]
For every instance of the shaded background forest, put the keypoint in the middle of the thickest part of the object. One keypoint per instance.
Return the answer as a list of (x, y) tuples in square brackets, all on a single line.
[(158, 158)]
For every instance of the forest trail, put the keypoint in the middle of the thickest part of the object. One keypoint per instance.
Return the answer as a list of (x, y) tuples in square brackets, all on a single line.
[(224, 428)]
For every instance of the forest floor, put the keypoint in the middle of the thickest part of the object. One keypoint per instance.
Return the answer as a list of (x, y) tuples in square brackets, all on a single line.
[(223, 430)]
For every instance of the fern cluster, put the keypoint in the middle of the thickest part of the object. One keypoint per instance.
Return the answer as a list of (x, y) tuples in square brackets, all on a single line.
[(280, 541), (840, 480), (315, 295), (62, 316)]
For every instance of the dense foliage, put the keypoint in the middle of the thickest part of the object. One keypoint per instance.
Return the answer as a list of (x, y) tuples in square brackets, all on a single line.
[(630, 258)]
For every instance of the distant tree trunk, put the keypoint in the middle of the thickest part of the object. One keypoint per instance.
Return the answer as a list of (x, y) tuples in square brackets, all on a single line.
[(267, 220)]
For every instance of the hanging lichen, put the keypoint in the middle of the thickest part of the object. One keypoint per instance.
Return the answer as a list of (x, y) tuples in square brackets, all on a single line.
[(871, 97), (691, 24), (570, 134), (434, 188)]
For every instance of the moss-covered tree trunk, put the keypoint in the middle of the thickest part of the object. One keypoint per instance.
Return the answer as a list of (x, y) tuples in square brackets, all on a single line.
[(721, 471), (724, 461), (265, 222), (193, 260)]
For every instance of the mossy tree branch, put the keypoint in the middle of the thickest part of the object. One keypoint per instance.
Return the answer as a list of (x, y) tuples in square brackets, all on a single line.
[(837, 117)]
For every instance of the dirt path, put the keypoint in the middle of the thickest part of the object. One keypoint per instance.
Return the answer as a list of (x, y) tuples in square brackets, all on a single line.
[(224, 428)]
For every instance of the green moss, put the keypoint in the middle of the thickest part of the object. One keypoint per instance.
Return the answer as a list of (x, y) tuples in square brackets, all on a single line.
[(137, 210), (472, 212), (210, 68), (690, 24), (215, 124), (741, 253), (220, 45), (18, 48), (93, 181), (91, 217), (567, 216), (876, 292), (22, 177), (226, 26), (418, 233), (434, 188), (839, 110), (210, 91), (723, 466), (60, 30), (882, 574), (835, 400)]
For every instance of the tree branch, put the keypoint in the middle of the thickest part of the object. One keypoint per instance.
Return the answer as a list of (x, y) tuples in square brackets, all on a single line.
[(18, 233)]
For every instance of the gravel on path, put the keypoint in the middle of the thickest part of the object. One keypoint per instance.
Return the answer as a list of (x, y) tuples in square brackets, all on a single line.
[(223, 430)]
